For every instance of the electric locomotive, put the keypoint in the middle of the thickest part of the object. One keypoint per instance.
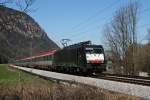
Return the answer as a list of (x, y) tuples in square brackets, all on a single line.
[(80, 58)]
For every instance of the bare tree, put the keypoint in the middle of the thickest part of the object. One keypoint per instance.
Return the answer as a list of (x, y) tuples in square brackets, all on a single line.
[(148, 35), (25, 5), (121, 36)]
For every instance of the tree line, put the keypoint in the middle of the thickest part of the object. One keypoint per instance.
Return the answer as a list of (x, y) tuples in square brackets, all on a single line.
[(128, 56)]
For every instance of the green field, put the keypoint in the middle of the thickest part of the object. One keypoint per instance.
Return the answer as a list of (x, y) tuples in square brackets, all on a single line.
[(11, 76)]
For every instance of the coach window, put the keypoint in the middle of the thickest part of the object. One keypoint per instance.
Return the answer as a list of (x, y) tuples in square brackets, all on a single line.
[(49, 57), (45, 58)]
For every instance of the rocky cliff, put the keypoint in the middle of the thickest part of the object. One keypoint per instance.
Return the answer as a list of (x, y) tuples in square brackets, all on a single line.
[(21, 35)]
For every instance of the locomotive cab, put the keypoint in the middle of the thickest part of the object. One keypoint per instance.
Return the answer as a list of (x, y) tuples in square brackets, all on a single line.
[(82, 57), (95, 58)]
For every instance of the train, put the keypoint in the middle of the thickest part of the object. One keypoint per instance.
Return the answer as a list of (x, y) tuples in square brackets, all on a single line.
[(82, 57)]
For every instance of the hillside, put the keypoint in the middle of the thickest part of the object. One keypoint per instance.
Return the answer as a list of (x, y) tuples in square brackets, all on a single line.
[(18, 31)]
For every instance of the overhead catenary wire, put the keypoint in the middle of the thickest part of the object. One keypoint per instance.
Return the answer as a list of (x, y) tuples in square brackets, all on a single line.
[(78, 26), (93, 28), (98, 26), (96, 14), (90, 18), (79, 33), (53, 36)]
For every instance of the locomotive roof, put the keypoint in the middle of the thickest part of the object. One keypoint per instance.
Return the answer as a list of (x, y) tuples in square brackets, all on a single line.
[(83, 44)]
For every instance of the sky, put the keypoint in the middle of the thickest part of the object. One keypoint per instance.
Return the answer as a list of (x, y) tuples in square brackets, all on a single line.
[(82, 20)]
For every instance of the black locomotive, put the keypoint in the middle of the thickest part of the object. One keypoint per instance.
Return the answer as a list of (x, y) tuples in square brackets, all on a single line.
[(80, 58)]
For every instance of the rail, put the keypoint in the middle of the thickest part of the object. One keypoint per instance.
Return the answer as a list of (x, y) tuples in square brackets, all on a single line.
[(125, 78)]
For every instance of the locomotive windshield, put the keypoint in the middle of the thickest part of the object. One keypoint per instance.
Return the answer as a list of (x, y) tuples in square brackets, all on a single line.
[(94, 50)]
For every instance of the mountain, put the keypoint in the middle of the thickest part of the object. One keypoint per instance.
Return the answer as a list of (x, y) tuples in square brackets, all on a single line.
[(21, 35)]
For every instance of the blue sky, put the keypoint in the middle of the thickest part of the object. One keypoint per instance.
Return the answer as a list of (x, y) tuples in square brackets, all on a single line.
[(81, 20)]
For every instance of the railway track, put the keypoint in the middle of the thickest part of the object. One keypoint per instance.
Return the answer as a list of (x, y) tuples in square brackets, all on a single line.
[(125, 78), (139, 80)]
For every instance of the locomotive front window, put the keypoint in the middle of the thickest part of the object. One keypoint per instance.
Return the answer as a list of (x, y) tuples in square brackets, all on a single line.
[(98, 50), (93, 50)]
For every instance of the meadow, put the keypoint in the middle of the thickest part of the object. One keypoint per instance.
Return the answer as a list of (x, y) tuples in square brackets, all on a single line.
[(18, 85)]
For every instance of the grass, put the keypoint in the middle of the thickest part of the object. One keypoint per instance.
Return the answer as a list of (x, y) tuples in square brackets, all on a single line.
[(30, 87), (6, 74), (59, 92), (10, 76)]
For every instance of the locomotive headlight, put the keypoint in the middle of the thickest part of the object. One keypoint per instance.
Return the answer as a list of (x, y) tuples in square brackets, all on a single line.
[(95, 58)]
